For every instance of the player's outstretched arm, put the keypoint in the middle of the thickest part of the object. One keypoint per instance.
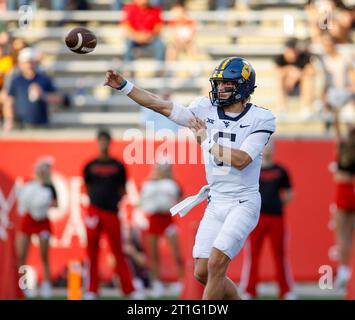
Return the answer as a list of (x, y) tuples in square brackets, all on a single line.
[(143, 97)]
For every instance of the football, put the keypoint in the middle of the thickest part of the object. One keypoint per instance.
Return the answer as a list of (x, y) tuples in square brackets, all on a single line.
[(81, 40)]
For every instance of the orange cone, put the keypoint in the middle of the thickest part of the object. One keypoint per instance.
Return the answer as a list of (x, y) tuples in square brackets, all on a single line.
[(74, 280)]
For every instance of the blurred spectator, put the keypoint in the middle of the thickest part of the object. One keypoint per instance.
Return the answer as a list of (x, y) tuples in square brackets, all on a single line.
[(6, 59), (295, 75), (345, 201), (35, 198), (276, 192), (30, 93), (181, 31), (143, 24), (17, 45), (105, 180), (159, 193), (332, 16), (12, 48), (339, 71), (6, 65)]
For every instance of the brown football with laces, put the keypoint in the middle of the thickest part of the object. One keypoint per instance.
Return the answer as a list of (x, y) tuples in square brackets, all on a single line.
[(81, 40)]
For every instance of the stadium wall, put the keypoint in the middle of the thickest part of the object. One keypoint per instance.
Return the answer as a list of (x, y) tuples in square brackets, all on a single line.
[(308, 217)]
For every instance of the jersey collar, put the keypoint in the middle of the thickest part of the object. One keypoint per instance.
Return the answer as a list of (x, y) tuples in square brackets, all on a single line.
[(223, 116)]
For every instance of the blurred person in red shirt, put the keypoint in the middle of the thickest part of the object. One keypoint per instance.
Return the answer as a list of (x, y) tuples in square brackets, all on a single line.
[(276, 192), (159, 193), (105, 180), (143, 25), (344, 200), (34, 200)]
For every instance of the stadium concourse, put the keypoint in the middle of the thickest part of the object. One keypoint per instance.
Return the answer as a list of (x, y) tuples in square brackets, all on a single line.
[(258, 33)]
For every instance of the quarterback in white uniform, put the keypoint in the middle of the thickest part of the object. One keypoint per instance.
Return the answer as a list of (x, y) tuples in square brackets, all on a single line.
[(232, 133)]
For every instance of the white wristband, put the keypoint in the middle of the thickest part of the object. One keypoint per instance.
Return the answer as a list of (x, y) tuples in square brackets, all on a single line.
[(207, 144), (127, 88)]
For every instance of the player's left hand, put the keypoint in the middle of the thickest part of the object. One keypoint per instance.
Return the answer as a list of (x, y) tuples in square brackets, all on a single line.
[(198, 127)]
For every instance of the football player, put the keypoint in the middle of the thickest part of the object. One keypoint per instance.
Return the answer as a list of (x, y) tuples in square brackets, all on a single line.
[(232, 133)]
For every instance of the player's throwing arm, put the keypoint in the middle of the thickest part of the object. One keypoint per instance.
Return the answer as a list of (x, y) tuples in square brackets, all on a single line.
[(144, 98), (170, 109)]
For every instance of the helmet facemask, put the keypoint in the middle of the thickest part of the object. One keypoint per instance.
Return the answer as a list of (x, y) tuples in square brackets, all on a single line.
[(215, 94)]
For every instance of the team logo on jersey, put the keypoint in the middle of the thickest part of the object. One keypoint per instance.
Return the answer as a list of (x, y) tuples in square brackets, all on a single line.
[(226, 123), (211, 121)]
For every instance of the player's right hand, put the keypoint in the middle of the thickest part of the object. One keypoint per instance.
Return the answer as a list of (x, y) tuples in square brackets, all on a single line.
[(113, 79)]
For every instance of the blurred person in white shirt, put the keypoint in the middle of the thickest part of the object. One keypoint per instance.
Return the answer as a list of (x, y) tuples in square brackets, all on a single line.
[(159, 193), (35, 198), (339, 73)]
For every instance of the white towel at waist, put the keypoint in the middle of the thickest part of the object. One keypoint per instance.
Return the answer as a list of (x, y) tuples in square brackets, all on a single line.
[(183, 207)]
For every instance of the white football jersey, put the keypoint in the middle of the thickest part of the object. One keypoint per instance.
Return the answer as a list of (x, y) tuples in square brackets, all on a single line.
[(159, 195), (254, 123), (35, 199)]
